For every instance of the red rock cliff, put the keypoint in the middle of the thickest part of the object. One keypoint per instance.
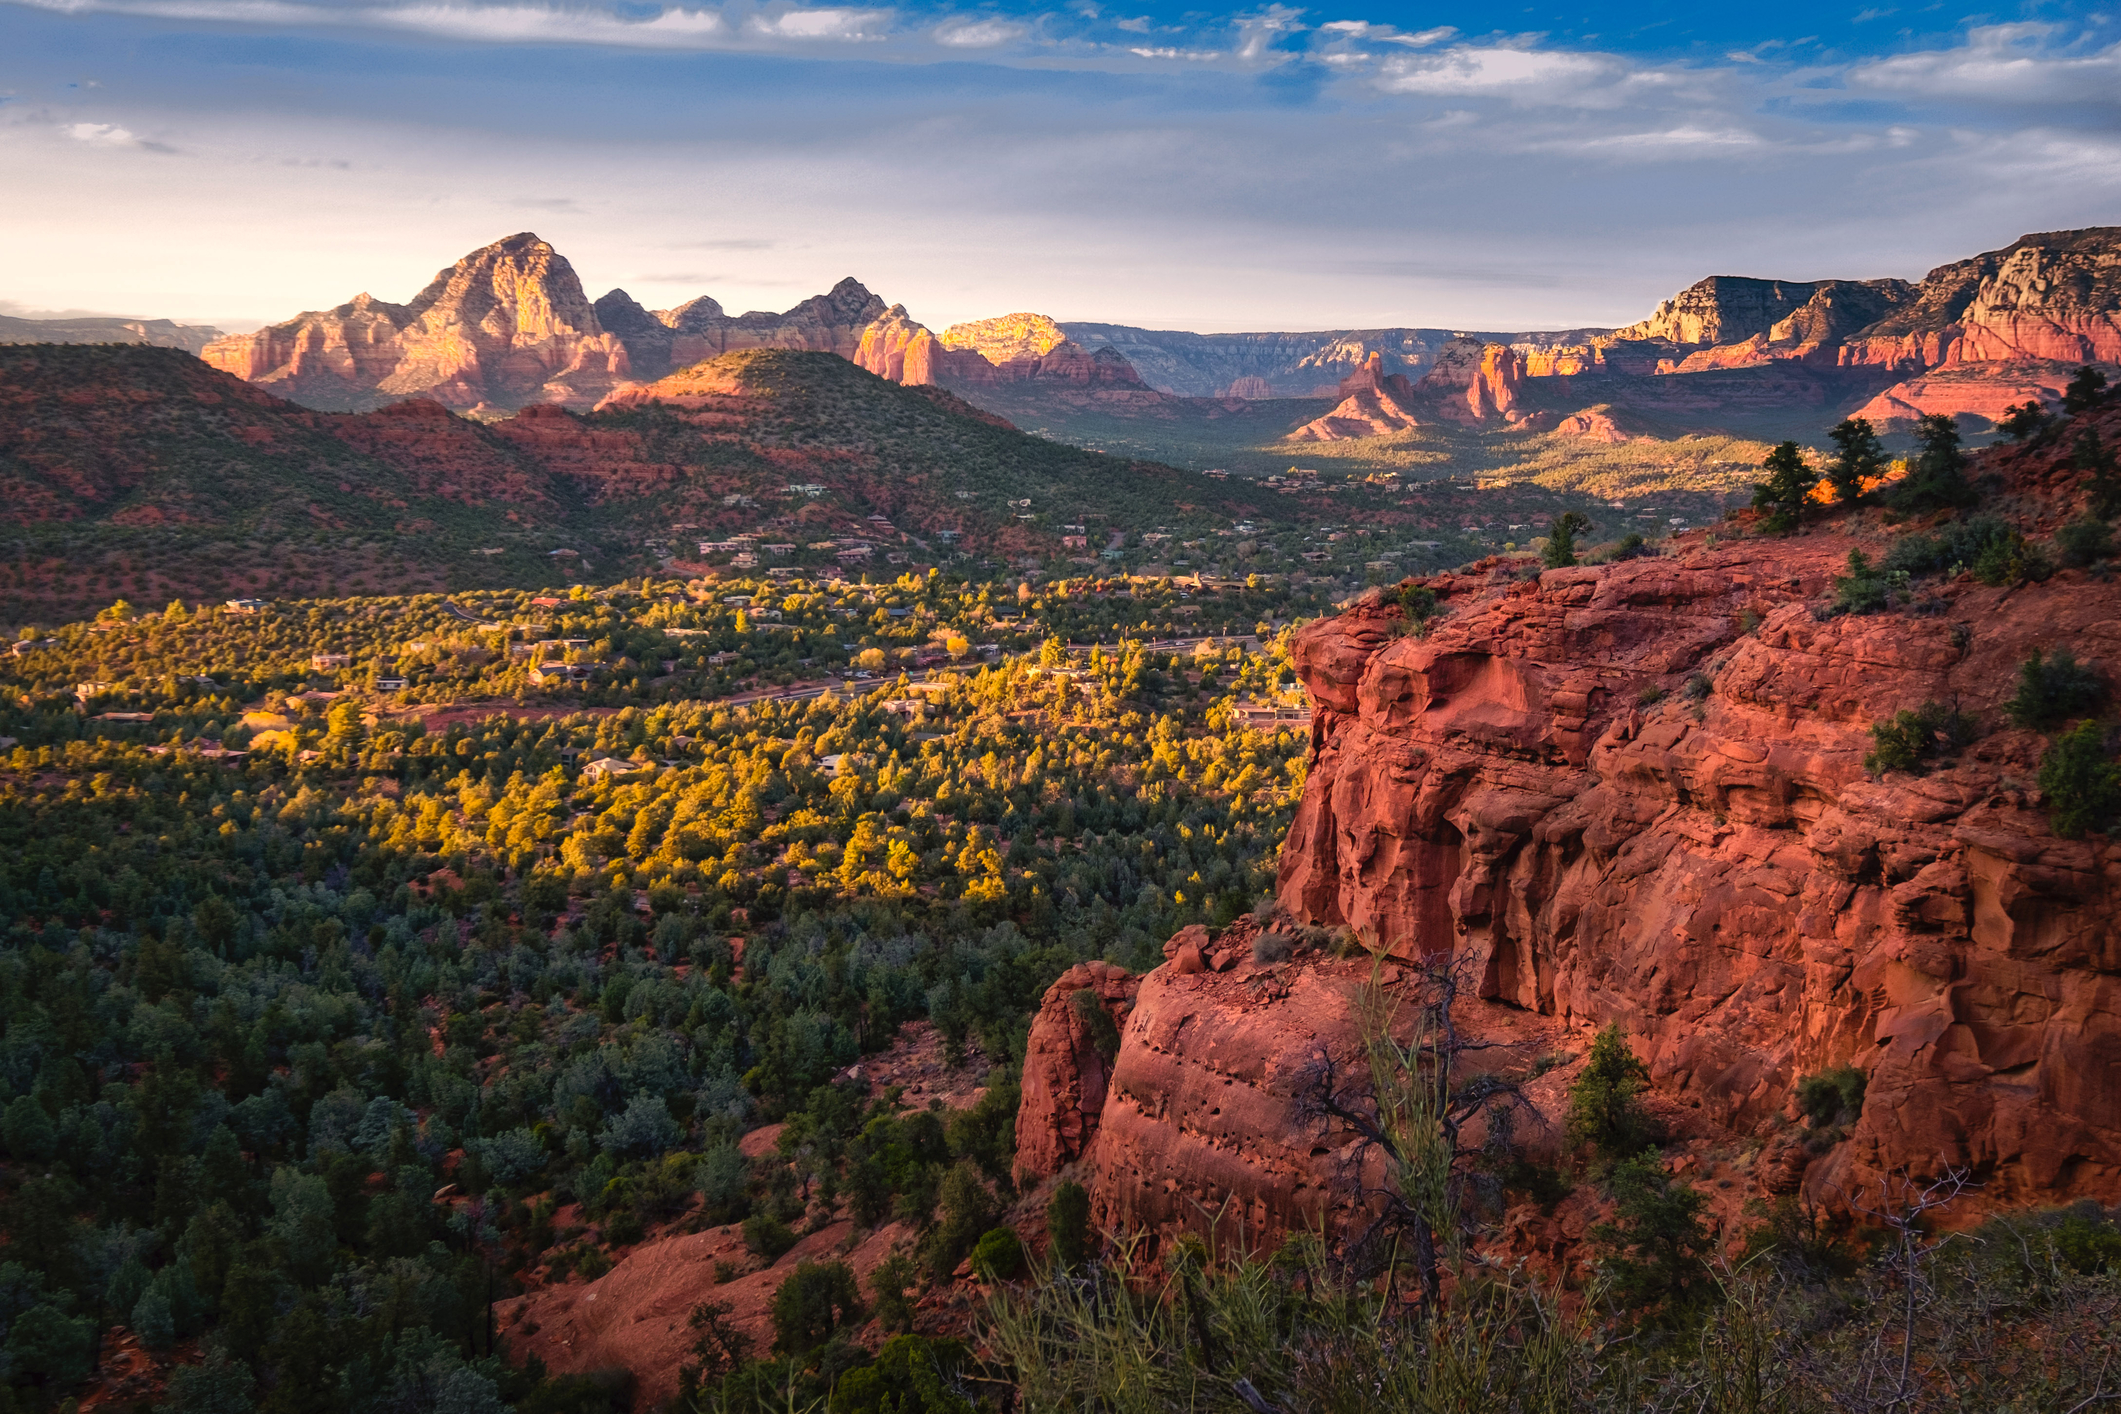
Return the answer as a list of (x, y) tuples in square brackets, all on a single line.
[(1636, 793)]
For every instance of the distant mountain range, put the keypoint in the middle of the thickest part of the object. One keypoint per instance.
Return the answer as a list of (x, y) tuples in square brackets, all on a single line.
[(510, 325), (92, 329)]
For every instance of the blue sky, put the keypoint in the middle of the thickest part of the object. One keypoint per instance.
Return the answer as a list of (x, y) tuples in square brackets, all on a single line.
[(1505, 167)]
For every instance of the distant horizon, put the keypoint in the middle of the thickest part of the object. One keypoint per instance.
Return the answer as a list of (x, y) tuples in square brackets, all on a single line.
[(594, 291), (1265, 167)]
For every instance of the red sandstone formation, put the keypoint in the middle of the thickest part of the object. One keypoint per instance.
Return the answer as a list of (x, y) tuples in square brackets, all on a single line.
[(1064, 1075), (506, 325), (1976, 334), (670, 339), (1533, 788), (1476, 382), (1373, 404)]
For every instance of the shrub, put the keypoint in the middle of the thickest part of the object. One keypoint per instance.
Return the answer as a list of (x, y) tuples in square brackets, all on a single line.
[(816, 1302), (912, 1375), (1272, 947), (2084, 541), (1068, 1223), (1909, 739), (1832, 1096), (1937, 478), (767, 1237), (999, 1255), (1606, 1115), (887, 1290), (2053, 689), (1698, 687), (623, 1228), (1650, 695), (2011, 560), (1655, 1247), (1862, 590), (1096, 1022), (2088, 1244), (2081, 783), (1955, 546), (1418, 602), (1632, 547)]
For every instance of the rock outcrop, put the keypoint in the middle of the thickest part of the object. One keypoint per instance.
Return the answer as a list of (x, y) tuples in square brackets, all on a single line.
[(1974, 335), (1476, 382), (505, 326), (1636, 793), (1065, 1074), (1373, 403)]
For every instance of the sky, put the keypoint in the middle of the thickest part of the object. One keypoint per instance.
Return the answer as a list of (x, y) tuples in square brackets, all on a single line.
[(1363, 164)]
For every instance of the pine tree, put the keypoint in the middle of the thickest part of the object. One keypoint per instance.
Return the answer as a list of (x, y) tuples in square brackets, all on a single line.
[(1561, 539), (1858, 457), (1783, 494)]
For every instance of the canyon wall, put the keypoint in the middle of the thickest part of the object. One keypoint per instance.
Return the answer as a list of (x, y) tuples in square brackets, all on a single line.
[(1636, 793)]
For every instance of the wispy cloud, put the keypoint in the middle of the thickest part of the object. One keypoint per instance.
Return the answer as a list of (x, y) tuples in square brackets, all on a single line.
[(111, 135)]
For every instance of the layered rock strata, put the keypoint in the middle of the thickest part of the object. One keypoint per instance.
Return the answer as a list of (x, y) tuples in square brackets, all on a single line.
[(1636, 793)]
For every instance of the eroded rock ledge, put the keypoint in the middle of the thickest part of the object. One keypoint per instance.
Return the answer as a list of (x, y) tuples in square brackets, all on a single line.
[(1636, 792)]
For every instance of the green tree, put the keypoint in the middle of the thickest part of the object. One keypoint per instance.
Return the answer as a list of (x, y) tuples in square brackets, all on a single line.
[(888, 1285), (2086, 390), (28, 1131), (1783, 495), (2080, 781), (2052, 689), (1561, 539), (2102, 473), (2021, 422), (816, 1302), (1936, 479), (1606, 1114), (1068, 1223), (1655, 1248), (1858, 457), (49, 1346)]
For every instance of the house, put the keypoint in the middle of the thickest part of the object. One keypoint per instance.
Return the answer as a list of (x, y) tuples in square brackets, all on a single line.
[(129, 717), (1075, 542), (718, 659), (547, 673), (779, 549), (243, 606), (855, 553), (547, 601), (389, 683), (606, 768), (782, 572), (25, 646), (721, 547), (85, 690), (326, 662), (744, 562)]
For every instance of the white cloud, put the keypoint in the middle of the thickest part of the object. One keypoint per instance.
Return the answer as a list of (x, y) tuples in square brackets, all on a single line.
[(1525, 76), (2001, 63), (977, 34), (829, 22), (101, 134)]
